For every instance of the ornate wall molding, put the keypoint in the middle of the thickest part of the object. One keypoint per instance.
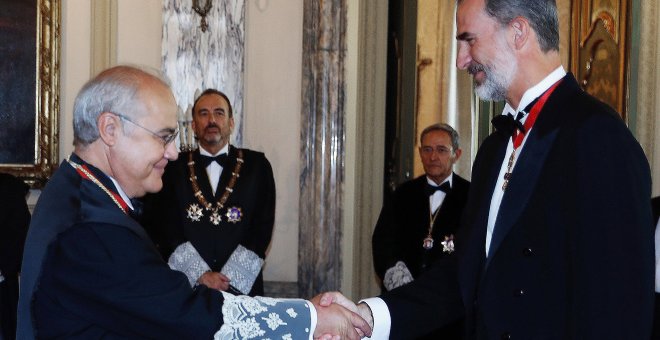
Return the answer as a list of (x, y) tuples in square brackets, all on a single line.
[(322, 146)]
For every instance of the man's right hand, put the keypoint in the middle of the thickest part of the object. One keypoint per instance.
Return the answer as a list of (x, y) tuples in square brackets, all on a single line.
[(336, 320), (214, 280), (362, 309)]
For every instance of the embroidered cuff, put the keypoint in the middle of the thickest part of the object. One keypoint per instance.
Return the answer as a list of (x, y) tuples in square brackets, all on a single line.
[(187, 260), (397, 276), (242, 268), (246, 317)]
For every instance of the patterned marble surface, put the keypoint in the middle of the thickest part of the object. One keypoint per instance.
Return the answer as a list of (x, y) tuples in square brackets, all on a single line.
[(195, 60), (322, 146)]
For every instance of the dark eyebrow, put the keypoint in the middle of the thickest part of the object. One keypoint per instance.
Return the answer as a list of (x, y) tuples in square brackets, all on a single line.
[(464, 36)]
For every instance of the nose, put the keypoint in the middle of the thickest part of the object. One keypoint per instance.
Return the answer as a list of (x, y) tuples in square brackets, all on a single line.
[(171, 153), (463, 58)]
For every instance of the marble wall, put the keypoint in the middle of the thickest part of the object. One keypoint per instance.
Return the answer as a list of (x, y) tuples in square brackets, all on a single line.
[(195, 60)]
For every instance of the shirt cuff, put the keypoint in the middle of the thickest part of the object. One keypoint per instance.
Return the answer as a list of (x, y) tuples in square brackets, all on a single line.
[(312, 319), (382, 319)]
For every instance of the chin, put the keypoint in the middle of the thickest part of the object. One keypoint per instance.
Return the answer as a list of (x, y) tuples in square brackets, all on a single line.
[(153, 186)]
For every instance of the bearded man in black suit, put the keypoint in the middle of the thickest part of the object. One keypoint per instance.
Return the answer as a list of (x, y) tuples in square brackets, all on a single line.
[(556, 240), (214, 218)]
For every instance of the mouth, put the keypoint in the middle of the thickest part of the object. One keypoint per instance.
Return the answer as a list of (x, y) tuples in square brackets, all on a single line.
[(212, 128), (478, 72), (160, 165)]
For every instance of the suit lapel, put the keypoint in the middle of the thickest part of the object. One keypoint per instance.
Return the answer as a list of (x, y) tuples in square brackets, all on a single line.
[(530, 163), (202, 177), (226, 174)]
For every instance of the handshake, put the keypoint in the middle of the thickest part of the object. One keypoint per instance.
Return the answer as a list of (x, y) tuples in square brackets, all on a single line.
[(340, 318)]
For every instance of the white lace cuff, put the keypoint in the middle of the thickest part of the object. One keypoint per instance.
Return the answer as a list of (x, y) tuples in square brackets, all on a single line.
[(242, 268), (247, 317), (397, 276), (187, 260), (2, 278)]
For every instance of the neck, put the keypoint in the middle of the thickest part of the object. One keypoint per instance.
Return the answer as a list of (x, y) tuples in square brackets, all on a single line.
[(91, 155), (213, 148), (530, 73), (438, 179)]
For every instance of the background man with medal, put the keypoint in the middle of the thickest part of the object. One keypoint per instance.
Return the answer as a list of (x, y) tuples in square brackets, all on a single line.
[(214, 218), (89, 269), (556, 240), (417, 225)]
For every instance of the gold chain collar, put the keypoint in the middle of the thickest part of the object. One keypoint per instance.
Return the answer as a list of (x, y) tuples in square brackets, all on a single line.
[(228, 189)]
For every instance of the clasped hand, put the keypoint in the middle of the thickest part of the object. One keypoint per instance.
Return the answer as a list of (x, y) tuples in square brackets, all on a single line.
[(340, 318), (214, 280)]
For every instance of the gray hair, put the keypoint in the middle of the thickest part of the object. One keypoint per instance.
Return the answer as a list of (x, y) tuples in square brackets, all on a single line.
[(541, 14), (113, 90), (442, 127)]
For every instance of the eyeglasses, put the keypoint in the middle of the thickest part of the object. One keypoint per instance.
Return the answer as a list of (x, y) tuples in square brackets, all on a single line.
[(441, 150), (167, 139)]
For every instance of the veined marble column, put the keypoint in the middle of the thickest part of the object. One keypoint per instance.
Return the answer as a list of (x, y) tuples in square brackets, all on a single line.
[(322, 147), (195, 60)]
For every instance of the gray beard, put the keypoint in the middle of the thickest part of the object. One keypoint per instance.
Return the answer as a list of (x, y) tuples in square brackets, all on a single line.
[(491, 90)]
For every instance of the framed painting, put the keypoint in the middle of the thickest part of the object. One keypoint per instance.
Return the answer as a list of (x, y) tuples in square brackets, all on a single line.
[(29, 88)]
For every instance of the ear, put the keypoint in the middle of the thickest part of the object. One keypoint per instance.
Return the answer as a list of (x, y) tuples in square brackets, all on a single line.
[(457, 154), (521, 32), (231, 125), (109, 128)]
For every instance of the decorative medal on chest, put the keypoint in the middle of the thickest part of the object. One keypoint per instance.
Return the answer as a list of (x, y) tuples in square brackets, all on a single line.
[(428, 241), (195, 211)]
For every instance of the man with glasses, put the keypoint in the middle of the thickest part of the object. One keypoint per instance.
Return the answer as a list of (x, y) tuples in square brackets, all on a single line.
[(214, 218), (90, 271), (418, 222)]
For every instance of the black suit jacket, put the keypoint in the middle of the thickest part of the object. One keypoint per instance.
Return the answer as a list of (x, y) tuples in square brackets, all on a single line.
[(571, 255), (404, 221), (14, 221), (165, 216), (655, 205), (92, 272)]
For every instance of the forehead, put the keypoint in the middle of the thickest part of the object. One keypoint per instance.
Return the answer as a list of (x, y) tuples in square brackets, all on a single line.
[(212, 100), (471, 18), (158, 101), (436, 137)]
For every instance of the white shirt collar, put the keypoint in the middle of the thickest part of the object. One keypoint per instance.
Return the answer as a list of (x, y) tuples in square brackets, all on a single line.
[(121, 193), (448, 179), (536, 90), (225, 149)]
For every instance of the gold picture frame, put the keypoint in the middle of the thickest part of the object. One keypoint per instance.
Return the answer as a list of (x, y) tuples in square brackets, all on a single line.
[(600, 50), (33, 159)]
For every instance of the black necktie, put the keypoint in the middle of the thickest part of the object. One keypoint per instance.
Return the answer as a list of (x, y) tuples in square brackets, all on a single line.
[(220, 159), (444, 187), (507, 125)]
